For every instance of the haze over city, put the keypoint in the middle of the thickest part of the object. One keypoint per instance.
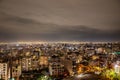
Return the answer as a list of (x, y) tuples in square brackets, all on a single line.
[(59, 20), (59, 39)]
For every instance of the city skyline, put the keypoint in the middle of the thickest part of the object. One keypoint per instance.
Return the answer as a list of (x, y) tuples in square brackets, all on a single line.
[(66, 20)]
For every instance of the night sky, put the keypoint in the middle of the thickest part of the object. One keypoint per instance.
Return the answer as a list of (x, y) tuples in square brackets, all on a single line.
[(60, 20)]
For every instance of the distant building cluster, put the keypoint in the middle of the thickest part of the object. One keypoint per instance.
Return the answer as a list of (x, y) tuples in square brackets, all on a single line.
[(57, 60)]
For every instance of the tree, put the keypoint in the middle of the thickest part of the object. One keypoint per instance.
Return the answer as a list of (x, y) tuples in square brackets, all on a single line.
[(110, 74), (44, 77)]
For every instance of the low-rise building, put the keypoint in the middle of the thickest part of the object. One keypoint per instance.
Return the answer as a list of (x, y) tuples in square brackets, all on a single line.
[(117, 67), (43, 61)]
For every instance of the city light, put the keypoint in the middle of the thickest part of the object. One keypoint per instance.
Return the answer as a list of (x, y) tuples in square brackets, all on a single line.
[(44, 61)]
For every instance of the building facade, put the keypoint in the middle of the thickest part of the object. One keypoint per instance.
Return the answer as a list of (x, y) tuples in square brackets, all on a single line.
[(4, 71)]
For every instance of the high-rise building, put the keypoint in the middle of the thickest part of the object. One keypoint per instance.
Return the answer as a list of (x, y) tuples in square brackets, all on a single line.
[(26, 64), (4, 71), (56, 69)]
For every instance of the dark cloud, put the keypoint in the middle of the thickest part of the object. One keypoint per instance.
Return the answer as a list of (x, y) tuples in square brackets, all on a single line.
[(67, 20), (86, 34), (80, 33)]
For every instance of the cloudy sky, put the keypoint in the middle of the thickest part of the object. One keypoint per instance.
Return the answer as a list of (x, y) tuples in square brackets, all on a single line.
[(60, 20)]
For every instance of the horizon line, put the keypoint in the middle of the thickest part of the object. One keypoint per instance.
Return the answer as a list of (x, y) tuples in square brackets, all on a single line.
[(41, 42)]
